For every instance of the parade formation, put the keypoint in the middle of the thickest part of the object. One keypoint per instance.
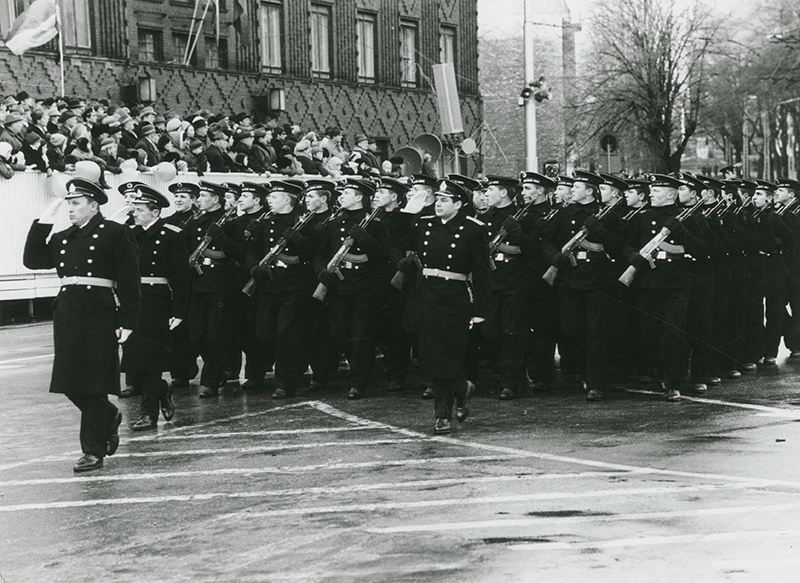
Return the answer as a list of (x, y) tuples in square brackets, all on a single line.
[(676, 282)]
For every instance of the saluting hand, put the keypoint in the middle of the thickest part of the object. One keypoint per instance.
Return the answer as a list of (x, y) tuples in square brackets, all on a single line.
[(49, 216), (416, 203)]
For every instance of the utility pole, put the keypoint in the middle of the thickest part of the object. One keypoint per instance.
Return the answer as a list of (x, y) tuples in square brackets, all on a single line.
[(531, 158)]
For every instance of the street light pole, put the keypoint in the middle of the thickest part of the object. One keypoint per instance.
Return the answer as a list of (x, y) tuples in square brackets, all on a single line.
[(531, 158)]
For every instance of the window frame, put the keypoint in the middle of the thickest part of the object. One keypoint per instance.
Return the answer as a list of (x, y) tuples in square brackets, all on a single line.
[(84, 22), (158, 44), (180, 51), (317, 56), (406, 60), (448, 31), (372, 19), (218, 47), (264, 49)]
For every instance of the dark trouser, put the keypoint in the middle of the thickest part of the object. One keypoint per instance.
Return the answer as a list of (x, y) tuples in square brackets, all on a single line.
[(445, 392), (635, 361), (720, 316), (97, 419), (733, 345), (509, 329), (569, 356), (322, 355), (253, 345), (776, 314), (209, 334), (753, 341), (152, 389), (352, 319), (584, 325), (284, 317), (185, 357), (391, 335), (791, 337), (619, 353), (544, 321), (662, 320), (699, 333)]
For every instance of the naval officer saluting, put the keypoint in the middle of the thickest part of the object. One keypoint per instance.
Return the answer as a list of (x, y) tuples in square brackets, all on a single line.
[(97, 307)]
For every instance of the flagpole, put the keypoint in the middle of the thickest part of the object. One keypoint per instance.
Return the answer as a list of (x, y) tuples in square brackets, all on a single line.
[(191, 32), (60, 45), (199, 32)]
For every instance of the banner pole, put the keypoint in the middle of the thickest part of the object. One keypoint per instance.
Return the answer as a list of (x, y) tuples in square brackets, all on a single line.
[(60, 45)]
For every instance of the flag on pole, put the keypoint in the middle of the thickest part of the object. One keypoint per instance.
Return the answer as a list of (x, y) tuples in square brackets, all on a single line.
[(34, 27)]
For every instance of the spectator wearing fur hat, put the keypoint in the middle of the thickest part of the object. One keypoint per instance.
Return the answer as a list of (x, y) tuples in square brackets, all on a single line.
[(217, 153), (333, 142), (262, 154), (302, 152), (195, 157), (243, 147)]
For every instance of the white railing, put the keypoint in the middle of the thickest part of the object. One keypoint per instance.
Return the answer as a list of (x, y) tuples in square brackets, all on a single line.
[(26, 195)]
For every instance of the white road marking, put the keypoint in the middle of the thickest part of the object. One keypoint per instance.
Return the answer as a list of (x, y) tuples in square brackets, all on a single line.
[(772, 411), (170, 430), (332, 466), (546, 456), (262, 448), (277, 432), (25, 359), (658, 540), (523, 522), (349, 508)]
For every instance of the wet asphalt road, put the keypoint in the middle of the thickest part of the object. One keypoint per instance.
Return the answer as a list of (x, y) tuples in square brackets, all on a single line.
[(318, 488)]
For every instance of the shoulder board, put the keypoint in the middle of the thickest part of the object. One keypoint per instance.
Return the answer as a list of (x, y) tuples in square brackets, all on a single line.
[(476, 221), (172, 227), (428, 217)]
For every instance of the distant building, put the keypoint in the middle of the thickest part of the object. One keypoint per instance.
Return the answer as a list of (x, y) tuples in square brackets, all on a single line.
[(502, 78), (362, 65)]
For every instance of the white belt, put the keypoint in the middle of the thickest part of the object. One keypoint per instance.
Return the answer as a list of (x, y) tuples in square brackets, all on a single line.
[(86, 280), (429, 272), (155, 280)]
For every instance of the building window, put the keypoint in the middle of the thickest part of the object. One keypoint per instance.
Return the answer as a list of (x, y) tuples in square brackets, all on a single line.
[(408, 54), (76, 23), (151, 45), (320, 41), (9, 10), (216, 56), (447, 45), (366, 47), (270, 20), (181, 41)]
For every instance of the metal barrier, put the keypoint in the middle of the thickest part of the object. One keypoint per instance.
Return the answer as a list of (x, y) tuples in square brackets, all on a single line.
[(26, 195)]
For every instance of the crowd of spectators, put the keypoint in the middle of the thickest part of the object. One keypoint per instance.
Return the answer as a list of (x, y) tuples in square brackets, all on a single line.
[(54, 134)]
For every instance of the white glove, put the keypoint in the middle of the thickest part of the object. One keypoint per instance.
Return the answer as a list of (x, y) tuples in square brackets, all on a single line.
[(122, 335), (174, 323)]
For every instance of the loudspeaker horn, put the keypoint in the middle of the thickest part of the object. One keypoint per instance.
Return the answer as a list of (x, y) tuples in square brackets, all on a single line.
[(412, 160), (429, 143)]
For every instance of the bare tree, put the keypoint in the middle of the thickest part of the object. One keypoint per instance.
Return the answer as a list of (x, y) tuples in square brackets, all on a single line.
[(647, 76)]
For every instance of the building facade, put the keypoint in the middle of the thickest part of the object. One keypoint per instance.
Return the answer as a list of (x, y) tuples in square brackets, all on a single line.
[(502, 78), (362, 65)]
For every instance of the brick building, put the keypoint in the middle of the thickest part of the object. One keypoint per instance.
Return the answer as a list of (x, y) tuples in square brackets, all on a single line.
[(364, 65), (502, 77)]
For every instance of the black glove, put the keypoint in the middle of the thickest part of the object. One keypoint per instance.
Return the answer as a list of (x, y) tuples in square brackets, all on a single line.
[(638, 261), (260, 272), (675, 227), (405, 265), (327, 277), (291, 234), (215, 231), (593, 225), (560, 260), (358, 233), (512, 226)]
